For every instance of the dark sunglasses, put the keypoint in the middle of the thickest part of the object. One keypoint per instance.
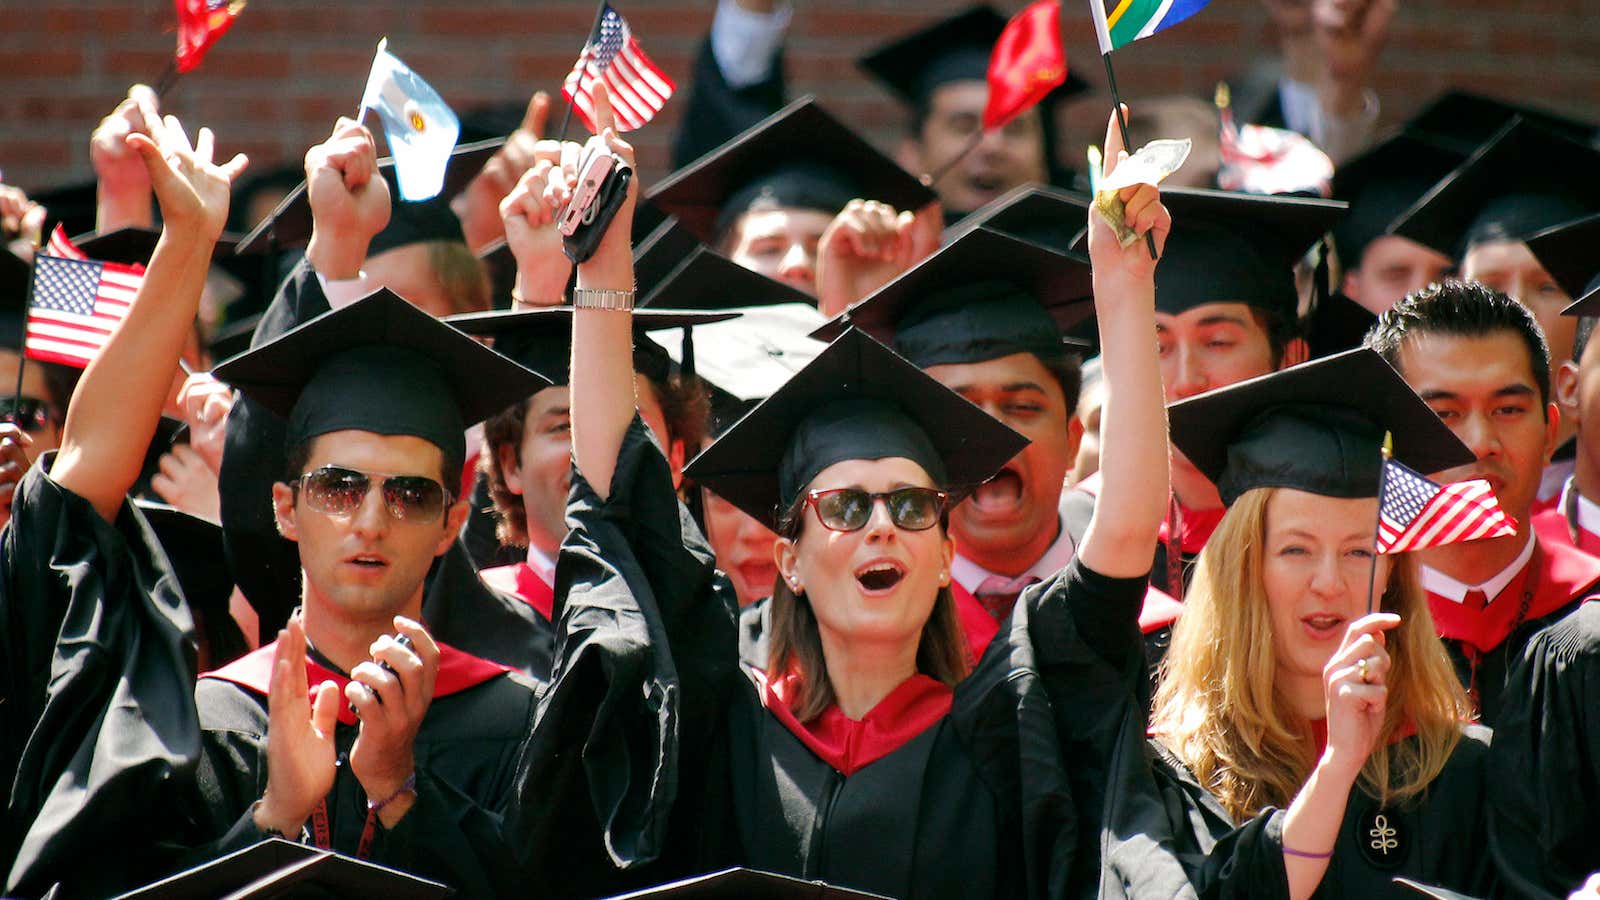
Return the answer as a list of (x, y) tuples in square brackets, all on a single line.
[(339, 491), (848, 509), (28, 413)]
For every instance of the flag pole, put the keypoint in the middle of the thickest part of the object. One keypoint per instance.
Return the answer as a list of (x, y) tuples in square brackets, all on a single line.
[(932, 178), (1122, 126), (169, 77), (599, 16), (1383, 484), (22, 351)]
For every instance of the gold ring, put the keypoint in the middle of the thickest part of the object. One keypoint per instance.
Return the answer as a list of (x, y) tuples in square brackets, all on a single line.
[(1362, 665)]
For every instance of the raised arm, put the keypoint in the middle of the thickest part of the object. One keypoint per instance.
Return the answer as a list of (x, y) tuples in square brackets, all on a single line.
[(603, 400), (1120, 541), (119, 399)]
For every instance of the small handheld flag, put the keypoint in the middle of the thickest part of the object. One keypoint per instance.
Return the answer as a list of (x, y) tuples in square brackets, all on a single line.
[(75, 303), (638, 88), (1130, 20), (1415, 513), (200, 24), (1027, 63), (419, 126)]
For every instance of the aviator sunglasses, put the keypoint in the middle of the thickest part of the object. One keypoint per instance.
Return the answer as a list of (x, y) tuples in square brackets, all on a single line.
[(339, 491), (848, 509), (29, 413)]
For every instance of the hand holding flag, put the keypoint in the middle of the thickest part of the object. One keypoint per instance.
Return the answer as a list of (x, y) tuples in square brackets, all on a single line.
[(612, 56), (419, 126)]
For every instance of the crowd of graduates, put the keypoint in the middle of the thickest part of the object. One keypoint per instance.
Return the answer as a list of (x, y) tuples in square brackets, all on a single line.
[(825, 523)]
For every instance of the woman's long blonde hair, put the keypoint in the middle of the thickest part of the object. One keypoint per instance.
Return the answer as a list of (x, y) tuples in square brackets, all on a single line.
[(1218, 709)]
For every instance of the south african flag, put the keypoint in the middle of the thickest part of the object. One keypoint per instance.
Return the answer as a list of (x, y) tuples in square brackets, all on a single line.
[(1129, 20)]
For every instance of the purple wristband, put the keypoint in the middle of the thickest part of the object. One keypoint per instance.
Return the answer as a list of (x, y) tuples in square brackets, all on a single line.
[(1304, 855), (410, 785)]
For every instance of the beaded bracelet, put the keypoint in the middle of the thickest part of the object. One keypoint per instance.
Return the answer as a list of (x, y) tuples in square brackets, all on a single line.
[(1301, 853), (410, 785)]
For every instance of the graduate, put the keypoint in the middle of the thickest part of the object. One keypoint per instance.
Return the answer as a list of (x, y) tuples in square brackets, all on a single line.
[(47, 387), (1479, 359), (939, 73), (803, 199), (1226, 311), (863, 756), (1315, 748)]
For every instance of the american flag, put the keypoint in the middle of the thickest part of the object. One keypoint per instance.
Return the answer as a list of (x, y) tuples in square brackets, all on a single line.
[(638, 88), (75, 303), (1417, 514)]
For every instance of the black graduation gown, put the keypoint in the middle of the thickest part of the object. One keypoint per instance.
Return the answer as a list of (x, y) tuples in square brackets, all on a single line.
[(1001, 797), (460, 610), (97, 666), (1438, 839), (1544, 815), (717, 111), (466, 755)]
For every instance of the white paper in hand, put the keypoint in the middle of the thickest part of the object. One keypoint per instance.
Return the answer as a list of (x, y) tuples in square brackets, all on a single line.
[(1151, 165)]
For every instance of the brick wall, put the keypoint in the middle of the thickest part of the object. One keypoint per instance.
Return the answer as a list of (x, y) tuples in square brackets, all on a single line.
[(274, 85)]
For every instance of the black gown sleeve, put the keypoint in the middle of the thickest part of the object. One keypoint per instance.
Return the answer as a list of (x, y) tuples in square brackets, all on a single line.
[(646, 657), (97, 662), (1544, 811), (718, 111)]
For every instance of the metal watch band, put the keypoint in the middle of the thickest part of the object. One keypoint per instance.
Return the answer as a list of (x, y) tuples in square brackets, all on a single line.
[(601, 298)]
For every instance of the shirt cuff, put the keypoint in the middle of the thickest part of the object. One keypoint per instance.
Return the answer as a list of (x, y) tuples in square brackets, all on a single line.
[(745, 44), (346, 291)]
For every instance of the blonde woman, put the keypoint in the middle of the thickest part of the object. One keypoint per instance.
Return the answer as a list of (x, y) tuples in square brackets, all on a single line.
[(1281, 690)]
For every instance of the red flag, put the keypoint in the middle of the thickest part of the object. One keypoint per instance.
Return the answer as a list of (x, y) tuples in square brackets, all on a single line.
[(200, 23), (1027, 63)]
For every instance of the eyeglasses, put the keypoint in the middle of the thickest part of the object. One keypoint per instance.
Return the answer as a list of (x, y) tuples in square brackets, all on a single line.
[(339, 491), (848, 509), (29, 413)]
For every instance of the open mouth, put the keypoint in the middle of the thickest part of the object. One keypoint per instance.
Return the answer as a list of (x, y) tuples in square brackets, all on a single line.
[(880, 576), (987, 184), (1001, 493), (368, 561), (1324, 626)]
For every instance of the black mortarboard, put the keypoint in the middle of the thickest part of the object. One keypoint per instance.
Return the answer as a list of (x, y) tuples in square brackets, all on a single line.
[(1526, 179), (1228, 247), (1044, 215), (501, 266), (15, 276), (1433, 890), (708, 280), (660, 253), (1464, 121), (1570, 252), (1381, 183), (281, 869), (134, 245), (290, 224), (233, 338), (380, 365), (1337, 324), (540, 338), (73, 206), (741, 884), (984, 296), (800, 156), (857, 400), (1315, 427), (955, 48)]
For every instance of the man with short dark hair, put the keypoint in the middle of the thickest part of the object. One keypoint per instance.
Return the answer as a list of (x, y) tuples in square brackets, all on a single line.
[(1480, 361)]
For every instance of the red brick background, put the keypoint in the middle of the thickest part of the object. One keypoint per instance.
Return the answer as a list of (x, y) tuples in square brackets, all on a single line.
[(274, 85)]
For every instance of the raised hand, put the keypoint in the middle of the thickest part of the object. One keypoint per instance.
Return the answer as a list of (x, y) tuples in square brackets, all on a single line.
[(205, 403), (1143, 212), (192, 190), (1355, 688), (391, 693), (187, 482), (1349, 35), (478, 206), (20, 218), (865, 246), (13, 465), (124, 184), (349, 200), (300, 749), (615, 252), (529, 215)]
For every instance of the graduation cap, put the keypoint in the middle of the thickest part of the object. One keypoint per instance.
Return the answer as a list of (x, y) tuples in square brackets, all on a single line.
[(1432, 890), (1527, 178), (857, 400), (501, 266), (72, 206), (1315, 427), (955, 48), (1336, 325), (1381, 183), (1463, 121), (1048, 216), (135, 245), (1226, 247), (739, 884), (984, 296), (290, 224), (706, 279), (800, 156), (233, 338), (281, 869), (380, 365), (660, 253), (1571, 254), (541, 338)]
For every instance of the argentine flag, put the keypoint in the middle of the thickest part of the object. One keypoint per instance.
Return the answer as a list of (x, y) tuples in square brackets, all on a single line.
[(1129, 20), (419, 126)]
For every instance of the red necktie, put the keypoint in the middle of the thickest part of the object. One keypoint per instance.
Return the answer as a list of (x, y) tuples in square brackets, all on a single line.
[(997, 593), (1475, 600)]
